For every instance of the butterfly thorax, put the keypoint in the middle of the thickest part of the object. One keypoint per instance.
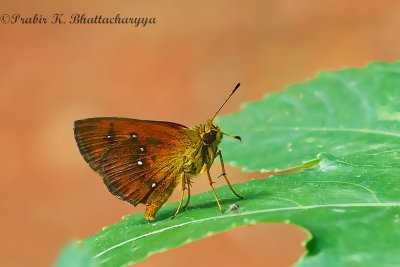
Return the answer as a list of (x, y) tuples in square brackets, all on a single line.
[(205, 139)]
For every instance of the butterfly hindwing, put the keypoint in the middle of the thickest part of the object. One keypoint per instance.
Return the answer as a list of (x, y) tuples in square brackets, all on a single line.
[(132, 156), (131, 171)]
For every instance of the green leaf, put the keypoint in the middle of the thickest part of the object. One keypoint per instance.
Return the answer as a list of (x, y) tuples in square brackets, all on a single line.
[(351, 113), (76, 255), (345, 121)]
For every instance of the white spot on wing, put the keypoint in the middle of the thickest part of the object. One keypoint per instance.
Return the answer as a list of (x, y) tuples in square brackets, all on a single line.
[(139, 162)]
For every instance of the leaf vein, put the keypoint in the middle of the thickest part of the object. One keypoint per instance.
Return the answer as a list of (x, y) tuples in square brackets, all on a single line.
[(327, 129), (373, 193), (346, 205)]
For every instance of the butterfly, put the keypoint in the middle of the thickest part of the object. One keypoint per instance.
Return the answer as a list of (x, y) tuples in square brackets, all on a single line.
[(143, 161)]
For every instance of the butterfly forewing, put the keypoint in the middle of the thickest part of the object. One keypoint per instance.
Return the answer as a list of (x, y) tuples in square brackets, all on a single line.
[(133, 156)]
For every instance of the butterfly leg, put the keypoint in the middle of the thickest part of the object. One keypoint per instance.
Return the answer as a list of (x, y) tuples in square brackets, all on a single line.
[(212, 187), (188, 188), (183, 193), (224, 174)]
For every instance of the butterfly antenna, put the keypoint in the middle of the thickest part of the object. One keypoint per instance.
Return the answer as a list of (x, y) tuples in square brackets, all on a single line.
[(233, 136), (234, 90)]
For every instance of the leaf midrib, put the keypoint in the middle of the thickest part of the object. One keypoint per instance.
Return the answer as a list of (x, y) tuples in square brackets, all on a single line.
[(328, 129), (343, 205)]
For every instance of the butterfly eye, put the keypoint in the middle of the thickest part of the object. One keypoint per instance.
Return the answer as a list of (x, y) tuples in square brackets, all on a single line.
[(209, 137)]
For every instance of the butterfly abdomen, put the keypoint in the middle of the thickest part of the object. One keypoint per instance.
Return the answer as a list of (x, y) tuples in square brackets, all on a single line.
[(160, 195)]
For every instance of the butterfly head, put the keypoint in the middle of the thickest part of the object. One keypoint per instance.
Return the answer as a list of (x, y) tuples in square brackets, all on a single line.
[(210, 134)]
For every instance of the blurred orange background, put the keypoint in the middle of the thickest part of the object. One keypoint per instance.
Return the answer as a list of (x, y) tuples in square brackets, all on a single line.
[(179, 69)]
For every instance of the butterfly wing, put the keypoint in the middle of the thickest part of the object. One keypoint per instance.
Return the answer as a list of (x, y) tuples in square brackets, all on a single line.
[(132, 156)]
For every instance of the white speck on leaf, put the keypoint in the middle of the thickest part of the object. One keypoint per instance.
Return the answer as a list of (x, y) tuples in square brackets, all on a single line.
[(324, 166), (338, 210), (310, 139)]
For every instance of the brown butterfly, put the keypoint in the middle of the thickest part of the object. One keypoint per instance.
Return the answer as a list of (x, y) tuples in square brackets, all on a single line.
[(143, 161)]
